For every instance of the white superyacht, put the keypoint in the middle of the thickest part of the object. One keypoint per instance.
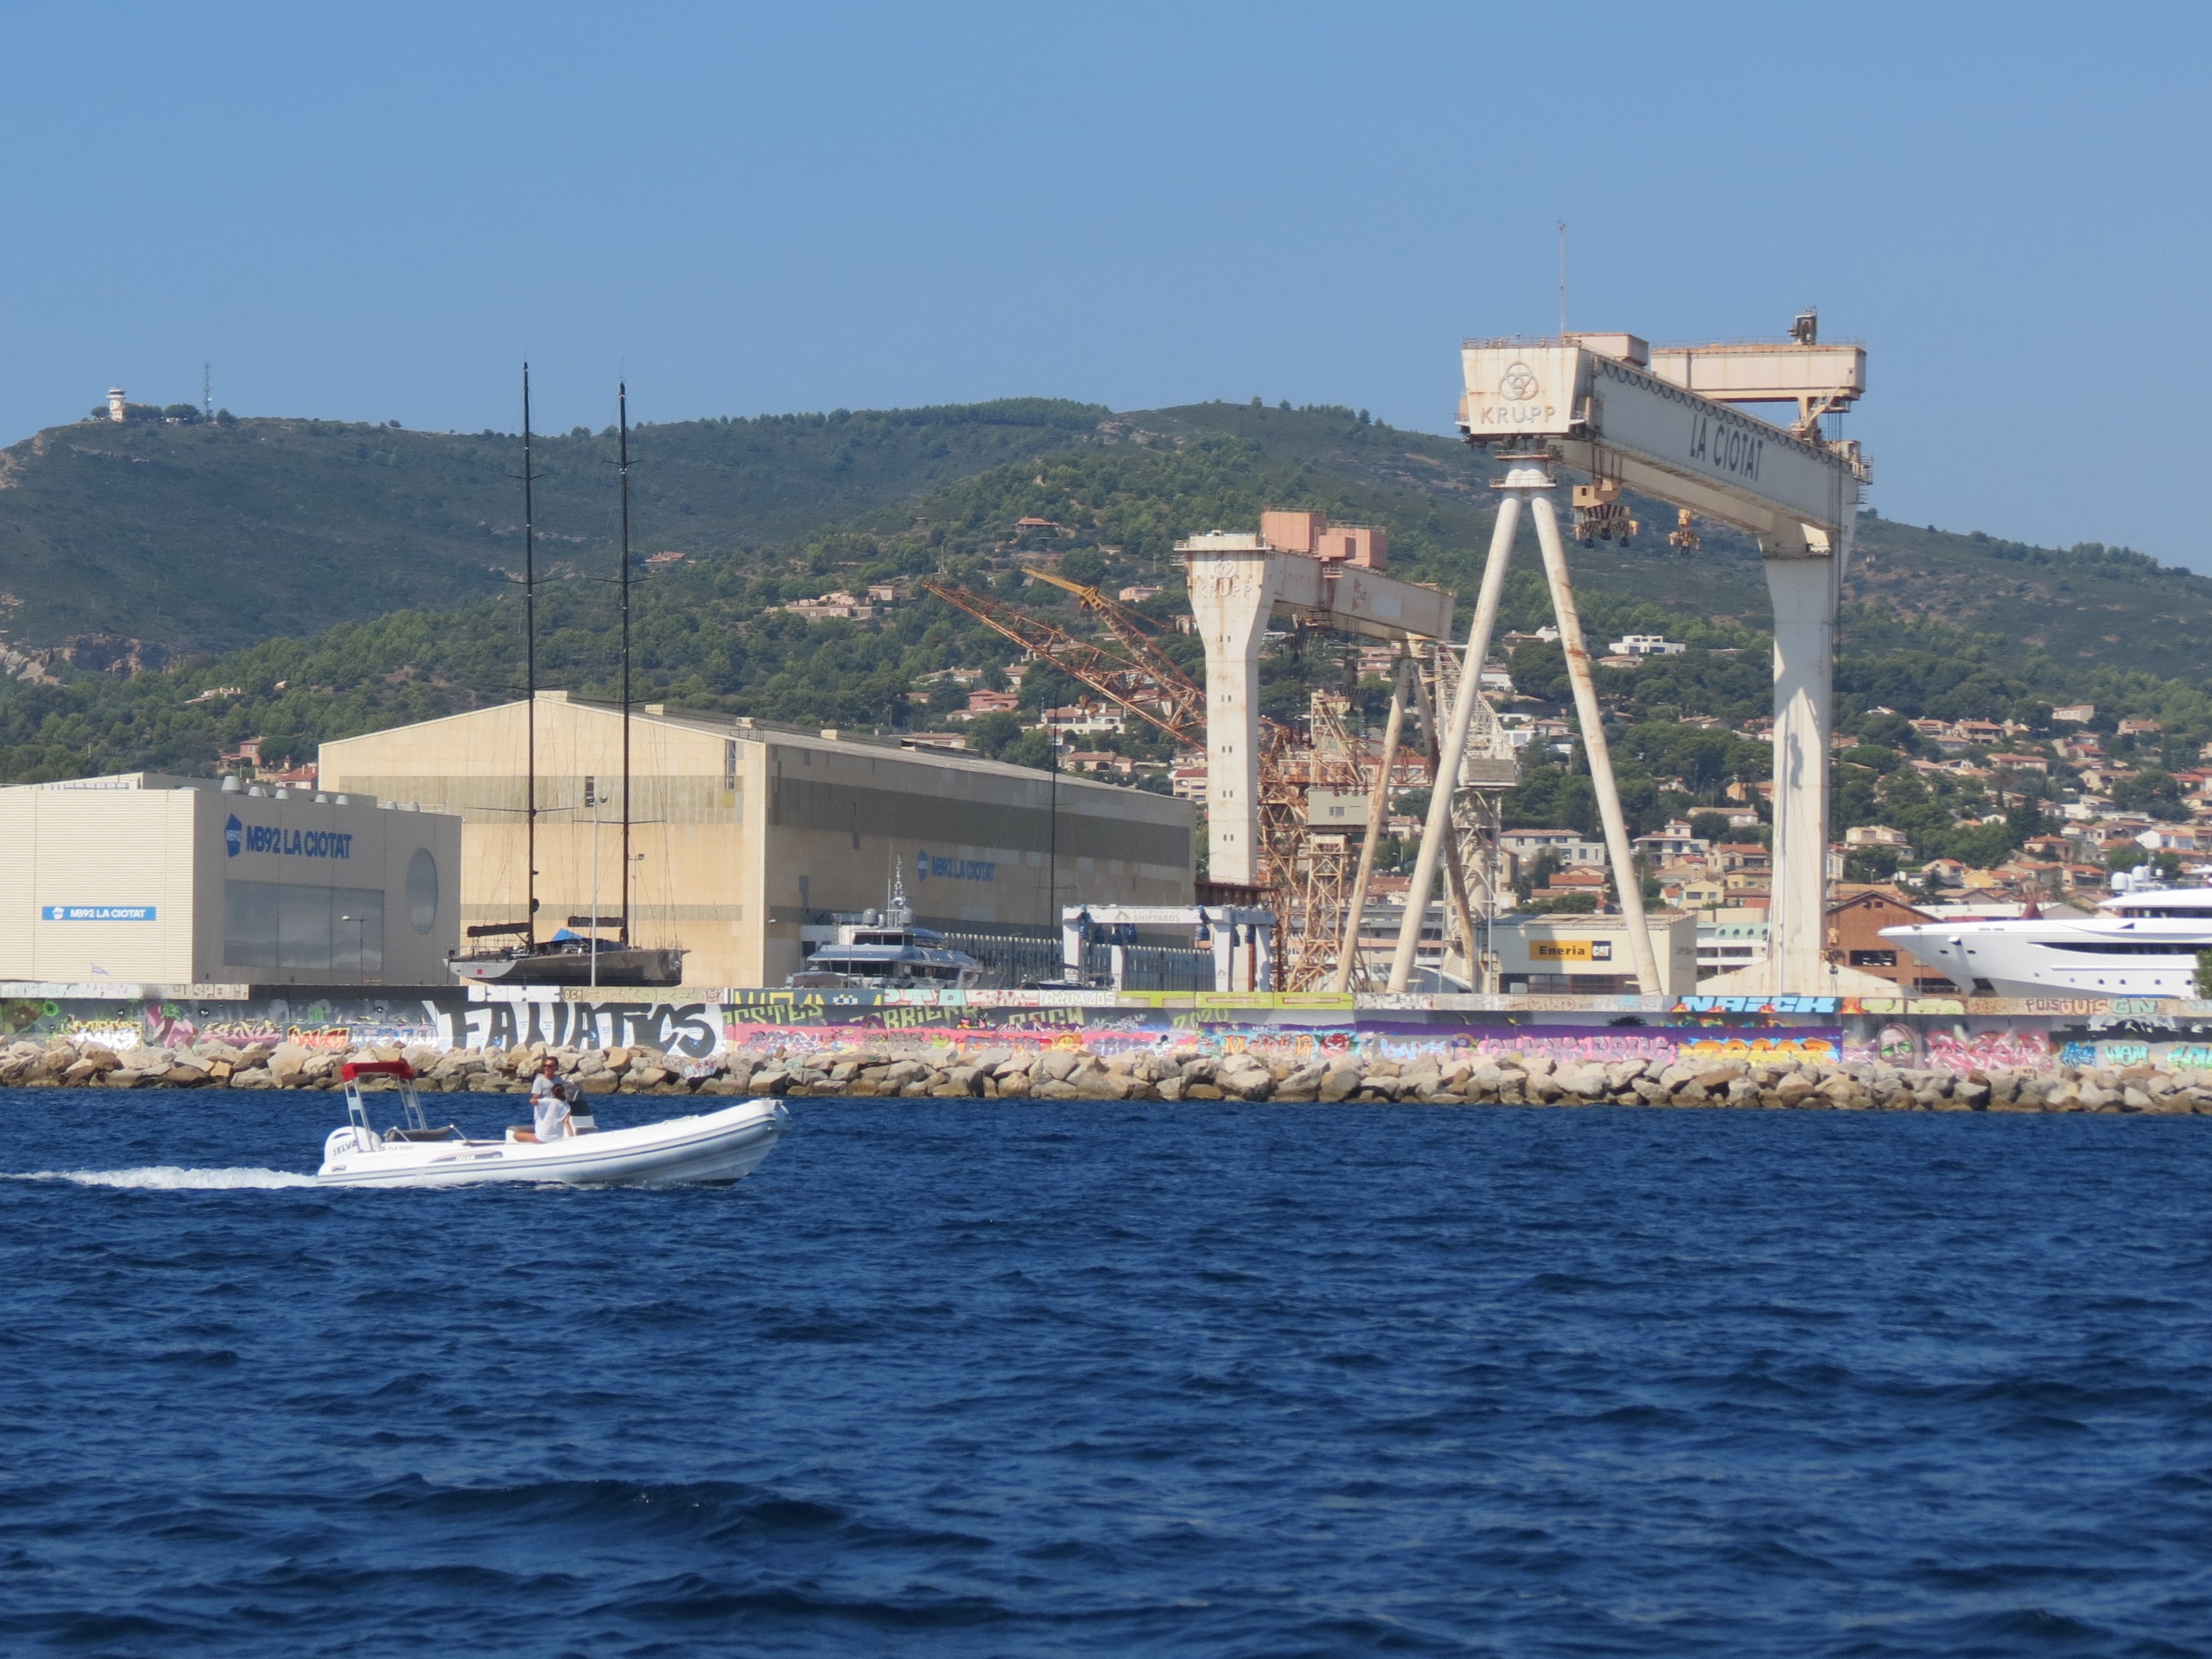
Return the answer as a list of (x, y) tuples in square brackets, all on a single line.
[(2142, 942)]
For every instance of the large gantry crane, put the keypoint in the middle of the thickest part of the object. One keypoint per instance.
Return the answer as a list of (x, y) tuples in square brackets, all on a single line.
[(1665, 422)]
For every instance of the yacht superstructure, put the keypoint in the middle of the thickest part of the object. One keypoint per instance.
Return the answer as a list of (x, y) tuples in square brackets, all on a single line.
[(887, 952), (2142, 942)]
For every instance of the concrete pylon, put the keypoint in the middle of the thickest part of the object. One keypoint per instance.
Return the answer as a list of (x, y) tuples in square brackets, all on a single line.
[(1453, 749), (1232, 582), (1804, 585), (1628, 886)]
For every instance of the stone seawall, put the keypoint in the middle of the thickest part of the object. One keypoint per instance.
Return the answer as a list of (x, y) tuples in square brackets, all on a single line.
[(1156, 1074)]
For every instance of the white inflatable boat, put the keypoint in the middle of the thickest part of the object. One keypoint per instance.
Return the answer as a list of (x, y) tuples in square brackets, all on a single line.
[(720, 1145)]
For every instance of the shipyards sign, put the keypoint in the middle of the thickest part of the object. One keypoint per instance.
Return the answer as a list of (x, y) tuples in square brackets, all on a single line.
[(290, 843), (927, 865)]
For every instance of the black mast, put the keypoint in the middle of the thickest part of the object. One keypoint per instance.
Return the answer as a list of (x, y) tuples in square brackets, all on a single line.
[(622, 403), (529, 658)]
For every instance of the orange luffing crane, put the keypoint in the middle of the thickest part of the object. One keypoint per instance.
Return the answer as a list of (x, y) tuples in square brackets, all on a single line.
[(1133, 672)]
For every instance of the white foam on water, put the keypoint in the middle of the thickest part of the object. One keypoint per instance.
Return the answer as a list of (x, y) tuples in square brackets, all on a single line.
[(168, 1177)]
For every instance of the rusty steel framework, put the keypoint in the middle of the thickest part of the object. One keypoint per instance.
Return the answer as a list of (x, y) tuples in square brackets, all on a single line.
[(1473, 862), (1319, 857), (1134, 673), (1309, 868)]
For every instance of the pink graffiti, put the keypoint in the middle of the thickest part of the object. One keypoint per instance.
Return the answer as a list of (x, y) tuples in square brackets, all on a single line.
[(1991, 1051)]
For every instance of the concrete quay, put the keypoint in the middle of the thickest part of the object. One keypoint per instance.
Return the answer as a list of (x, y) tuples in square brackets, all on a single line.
[(1161, 1074)]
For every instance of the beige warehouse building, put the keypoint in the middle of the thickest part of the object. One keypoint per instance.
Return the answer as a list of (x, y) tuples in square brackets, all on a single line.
[(188, 881), (744, 832)]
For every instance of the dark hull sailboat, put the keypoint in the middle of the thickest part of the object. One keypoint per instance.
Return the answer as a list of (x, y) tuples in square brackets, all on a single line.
[(567, 958), (572, 961)]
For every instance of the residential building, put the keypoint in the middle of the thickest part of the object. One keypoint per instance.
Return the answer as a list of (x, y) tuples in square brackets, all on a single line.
[(1082, 718), (1646, 645), (1855, 940), (1674, 842), (1742, 855), (1723, 946), (1569, 847), (837, 605)]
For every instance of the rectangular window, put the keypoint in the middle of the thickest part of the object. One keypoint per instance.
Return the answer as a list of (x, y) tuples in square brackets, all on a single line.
[(730, 764), (590, 791), (1874, 959), (249, 923), (270, 924)]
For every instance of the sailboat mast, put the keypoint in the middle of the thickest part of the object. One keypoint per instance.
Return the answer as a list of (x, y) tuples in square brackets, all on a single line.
[(622, 403), (529, 660)]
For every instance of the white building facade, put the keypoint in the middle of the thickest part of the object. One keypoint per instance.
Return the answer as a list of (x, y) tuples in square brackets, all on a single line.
[(183, 881)]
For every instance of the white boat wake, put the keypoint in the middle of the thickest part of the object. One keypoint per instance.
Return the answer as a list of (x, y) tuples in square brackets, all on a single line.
[(169, 1177)]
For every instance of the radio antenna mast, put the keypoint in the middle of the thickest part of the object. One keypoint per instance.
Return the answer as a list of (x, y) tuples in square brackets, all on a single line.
[(206, 390), (529, 660), (622, 398), (1563, 279)]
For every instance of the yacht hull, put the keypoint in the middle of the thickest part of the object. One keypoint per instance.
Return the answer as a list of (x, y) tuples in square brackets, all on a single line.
[(2095, 958), (624, 965)]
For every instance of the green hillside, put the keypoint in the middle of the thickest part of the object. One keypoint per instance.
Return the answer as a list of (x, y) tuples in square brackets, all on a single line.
[(1939, 624), (210, 536), (205, 537), (1123, 490)]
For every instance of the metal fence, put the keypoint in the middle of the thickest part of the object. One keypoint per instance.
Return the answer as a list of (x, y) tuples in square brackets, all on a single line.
[(1012, 959)]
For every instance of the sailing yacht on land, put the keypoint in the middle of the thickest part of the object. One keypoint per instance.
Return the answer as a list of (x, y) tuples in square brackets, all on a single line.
[(568, 958)]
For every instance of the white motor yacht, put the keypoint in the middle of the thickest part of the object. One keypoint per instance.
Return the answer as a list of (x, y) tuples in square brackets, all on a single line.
[(709, 1146), (886, 952), (2142, 942)]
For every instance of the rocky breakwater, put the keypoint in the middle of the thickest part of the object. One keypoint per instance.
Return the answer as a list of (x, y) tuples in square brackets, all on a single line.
[(1163, 1074)]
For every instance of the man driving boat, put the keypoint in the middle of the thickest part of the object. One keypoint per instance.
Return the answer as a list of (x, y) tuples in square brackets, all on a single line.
[(550, 1095)]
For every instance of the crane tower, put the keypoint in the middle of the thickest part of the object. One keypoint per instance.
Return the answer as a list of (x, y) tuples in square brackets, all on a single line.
[(1667, 422)]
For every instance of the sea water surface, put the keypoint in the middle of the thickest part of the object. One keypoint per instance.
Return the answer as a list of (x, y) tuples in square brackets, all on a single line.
[(976, 1377)]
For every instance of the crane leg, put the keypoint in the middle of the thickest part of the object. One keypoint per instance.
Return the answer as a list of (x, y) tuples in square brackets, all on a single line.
[(1591, 719)]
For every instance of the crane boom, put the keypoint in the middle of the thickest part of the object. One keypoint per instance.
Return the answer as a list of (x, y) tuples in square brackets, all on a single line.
[(1140, 678)]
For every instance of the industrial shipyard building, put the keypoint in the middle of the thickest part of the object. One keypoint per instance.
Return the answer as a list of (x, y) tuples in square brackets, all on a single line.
[(146, 879), (747, 836)]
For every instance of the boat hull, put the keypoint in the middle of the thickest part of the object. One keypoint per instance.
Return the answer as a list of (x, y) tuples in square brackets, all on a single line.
[(712, 1147), (625, 965), (2095, 958)]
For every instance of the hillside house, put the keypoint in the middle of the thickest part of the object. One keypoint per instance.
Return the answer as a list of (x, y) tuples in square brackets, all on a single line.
[(1569, 847), (1855, 940)]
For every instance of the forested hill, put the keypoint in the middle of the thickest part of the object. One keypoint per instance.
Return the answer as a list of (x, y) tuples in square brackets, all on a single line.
[(206, 537), (1113, 492), (209, 536)]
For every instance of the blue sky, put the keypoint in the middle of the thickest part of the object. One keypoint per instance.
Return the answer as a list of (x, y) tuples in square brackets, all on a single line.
[(377, 213)]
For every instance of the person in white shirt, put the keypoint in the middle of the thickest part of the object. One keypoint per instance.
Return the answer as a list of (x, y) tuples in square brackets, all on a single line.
[(549, 1100)]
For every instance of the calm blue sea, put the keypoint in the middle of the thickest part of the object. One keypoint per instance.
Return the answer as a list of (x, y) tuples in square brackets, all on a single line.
[(950, 1377)]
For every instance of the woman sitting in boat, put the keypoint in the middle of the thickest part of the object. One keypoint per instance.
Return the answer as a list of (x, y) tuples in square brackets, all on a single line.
[(550, 1095)]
